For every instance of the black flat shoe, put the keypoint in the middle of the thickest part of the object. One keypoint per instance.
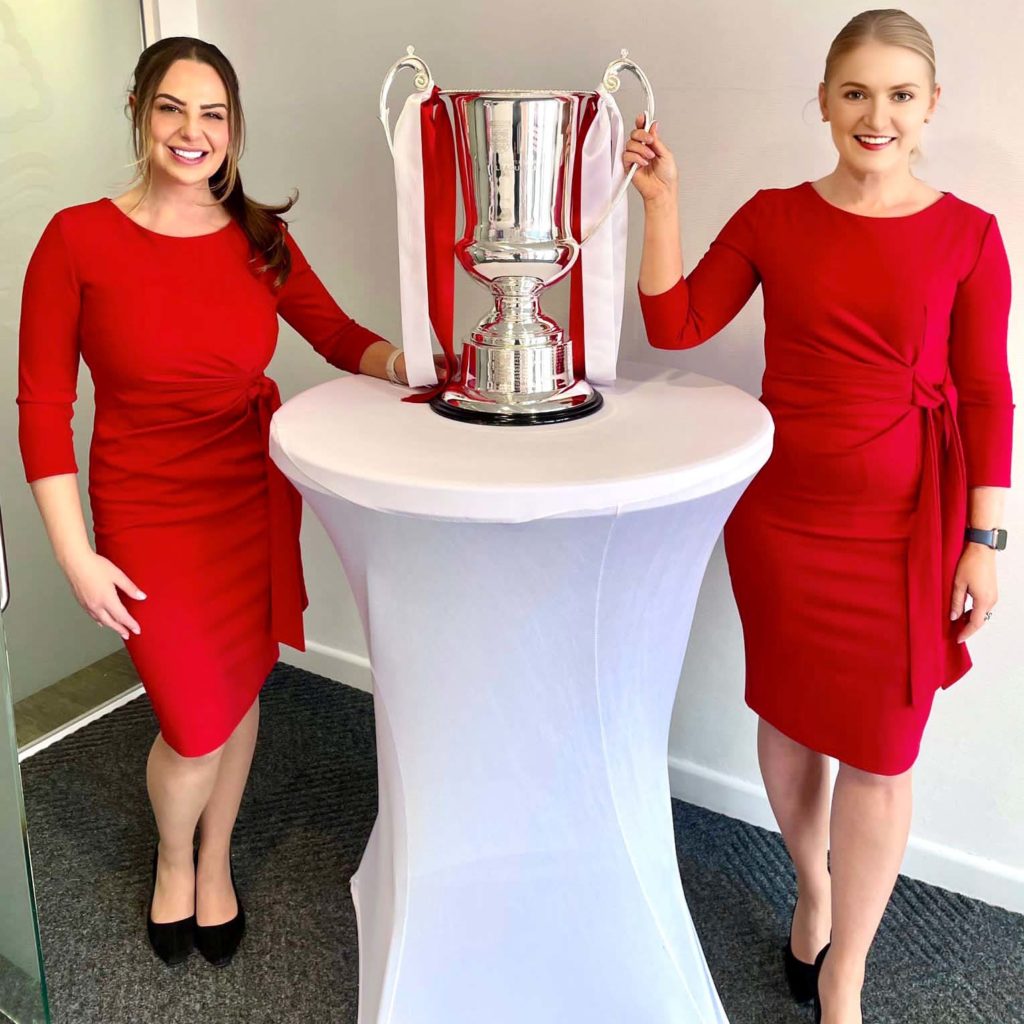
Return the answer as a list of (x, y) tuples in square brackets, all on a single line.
[(801, 976), (172, 942), (817, 974), (219, 942)]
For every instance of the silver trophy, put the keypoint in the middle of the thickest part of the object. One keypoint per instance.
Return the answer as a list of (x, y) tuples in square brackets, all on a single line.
[(516, 152)]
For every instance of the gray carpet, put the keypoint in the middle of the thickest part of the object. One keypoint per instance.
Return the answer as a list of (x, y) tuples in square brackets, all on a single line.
[(939, 958)]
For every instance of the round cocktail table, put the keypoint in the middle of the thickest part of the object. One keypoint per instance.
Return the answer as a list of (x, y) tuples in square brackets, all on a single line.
[(526, 595)]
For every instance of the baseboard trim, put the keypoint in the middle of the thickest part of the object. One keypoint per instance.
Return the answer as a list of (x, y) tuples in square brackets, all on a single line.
[(321, 659), (56, 735), (936, 863), (333, 662)]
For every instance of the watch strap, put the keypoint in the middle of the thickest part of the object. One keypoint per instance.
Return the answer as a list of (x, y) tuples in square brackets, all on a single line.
[(995, 539)]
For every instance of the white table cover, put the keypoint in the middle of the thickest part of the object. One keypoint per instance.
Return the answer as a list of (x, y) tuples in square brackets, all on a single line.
[(526, 595)]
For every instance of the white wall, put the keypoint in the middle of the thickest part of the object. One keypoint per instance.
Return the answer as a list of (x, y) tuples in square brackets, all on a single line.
[(735, 83)]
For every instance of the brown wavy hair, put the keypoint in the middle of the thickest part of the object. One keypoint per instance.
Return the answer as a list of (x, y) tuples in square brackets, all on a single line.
[(262, 222)]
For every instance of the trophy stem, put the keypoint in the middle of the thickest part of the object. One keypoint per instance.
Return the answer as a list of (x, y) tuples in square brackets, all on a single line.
[(517, 365), (517, 299)]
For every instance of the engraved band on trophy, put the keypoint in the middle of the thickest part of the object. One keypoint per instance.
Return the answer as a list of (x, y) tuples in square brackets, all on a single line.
[(516, 152)]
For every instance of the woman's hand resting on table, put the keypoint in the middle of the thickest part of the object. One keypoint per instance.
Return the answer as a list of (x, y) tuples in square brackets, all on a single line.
[(439, 366), (375, 360)]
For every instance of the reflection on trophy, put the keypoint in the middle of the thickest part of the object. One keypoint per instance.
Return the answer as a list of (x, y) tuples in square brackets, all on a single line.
[(517, 153)]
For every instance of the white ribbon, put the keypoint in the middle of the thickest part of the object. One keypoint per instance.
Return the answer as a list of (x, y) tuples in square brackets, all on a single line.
[(412, 245), (604, 255)]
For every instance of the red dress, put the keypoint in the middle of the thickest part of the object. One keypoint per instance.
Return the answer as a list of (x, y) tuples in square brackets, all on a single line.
[(177, 333), (886, 375)]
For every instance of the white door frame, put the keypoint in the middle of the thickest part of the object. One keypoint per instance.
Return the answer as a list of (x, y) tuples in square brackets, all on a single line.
[(162, 18)]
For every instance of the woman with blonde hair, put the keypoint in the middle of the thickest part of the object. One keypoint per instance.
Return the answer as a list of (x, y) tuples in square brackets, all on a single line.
[(853, 551), (171, 294)]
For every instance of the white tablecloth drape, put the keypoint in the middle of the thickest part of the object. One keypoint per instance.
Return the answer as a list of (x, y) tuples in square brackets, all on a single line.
[(526, 595)]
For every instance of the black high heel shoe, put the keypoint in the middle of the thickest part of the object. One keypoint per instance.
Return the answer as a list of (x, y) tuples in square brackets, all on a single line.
[(819, 960), (172, 942), (219, 942), (801, 976)]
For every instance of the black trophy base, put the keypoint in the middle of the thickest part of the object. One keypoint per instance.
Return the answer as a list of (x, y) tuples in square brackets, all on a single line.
[(477, 412)]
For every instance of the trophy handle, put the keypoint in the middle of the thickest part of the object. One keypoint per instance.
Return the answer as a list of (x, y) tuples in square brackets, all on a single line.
[(423, 81), (611, 82)]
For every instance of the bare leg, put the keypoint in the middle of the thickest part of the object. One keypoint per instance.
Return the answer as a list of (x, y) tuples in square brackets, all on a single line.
[(870, 826), (215, 899), (797, 781), (179, 788)]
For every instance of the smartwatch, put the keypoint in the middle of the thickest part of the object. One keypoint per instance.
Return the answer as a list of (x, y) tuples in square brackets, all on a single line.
[(994, 539)]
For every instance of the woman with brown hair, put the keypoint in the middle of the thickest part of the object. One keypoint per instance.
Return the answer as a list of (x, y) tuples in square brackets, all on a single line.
[(171, 294), (853, 551)]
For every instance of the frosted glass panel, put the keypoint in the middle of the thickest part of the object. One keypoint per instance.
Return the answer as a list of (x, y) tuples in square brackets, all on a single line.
[(64, 69), (64, 139), (22, 990)]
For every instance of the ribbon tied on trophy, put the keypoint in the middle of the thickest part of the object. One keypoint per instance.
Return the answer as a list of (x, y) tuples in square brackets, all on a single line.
[(542, 181)]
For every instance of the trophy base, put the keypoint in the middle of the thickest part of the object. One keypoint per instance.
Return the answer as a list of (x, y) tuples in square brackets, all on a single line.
[(578, 401)]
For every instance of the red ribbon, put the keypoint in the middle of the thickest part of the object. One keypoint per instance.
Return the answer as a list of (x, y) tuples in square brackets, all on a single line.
[(439, 228)]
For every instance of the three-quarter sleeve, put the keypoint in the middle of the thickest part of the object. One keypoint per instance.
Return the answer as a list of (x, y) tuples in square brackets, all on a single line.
[(48, 358), (978, 364), (697, 307), (306, 305)]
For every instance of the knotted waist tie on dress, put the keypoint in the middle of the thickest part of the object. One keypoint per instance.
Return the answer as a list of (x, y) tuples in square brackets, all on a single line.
[(165, 441), (937, 535), (287, 591), (938, 518)]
